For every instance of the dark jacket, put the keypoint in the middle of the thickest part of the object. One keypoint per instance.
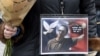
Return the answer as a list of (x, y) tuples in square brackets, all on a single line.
[(29, 44), (72, 7), (97, 4), (98, 19), (98, 10)]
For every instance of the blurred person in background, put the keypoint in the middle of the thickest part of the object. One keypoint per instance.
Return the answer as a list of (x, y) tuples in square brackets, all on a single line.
[(98, 16), (97, 2)]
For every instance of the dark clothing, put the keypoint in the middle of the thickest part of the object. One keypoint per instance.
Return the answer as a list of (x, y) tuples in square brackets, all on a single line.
[(97, 2), (72, 7), (29, 44), (98, 53), (98, 16), (98, 20), (0, 20)]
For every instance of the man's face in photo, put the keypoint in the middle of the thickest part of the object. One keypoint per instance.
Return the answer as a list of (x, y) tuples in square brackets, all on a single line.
[(62, 31)]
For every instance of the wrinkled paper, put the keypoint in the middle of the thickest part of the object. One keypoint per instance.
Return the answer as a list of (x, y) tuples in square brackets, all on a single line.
[(14, 11)]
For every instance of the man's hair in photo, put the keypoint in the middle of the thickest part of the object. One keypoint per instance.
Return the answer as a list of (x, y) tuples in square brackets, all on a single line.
[(64, 24)]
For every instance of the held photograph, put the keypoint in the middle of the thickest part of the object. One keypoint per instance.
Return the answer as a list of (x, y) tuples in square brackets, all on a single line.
[(62, 35)]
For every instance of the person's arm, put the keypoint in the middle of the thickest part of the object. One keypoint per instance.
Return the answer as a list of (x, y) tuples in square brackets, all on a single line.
[(48, 46), (78, 38), (88, 7)]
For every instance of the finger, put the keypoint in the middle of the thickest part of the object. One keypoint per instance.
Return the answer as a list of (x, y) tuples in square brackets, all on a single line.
[(9, 33), (7, 36), (14, 29), (8, 27)]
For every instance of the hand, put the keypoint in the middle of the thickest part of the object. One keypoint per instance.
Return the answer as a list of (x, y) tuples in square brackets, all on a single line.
[(78, 38), (9, 31), (94, 43)]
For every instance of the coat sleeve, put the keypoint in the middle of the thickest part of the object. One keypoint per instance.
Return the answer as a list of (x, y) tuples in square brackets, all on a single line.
[(88, 7)]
